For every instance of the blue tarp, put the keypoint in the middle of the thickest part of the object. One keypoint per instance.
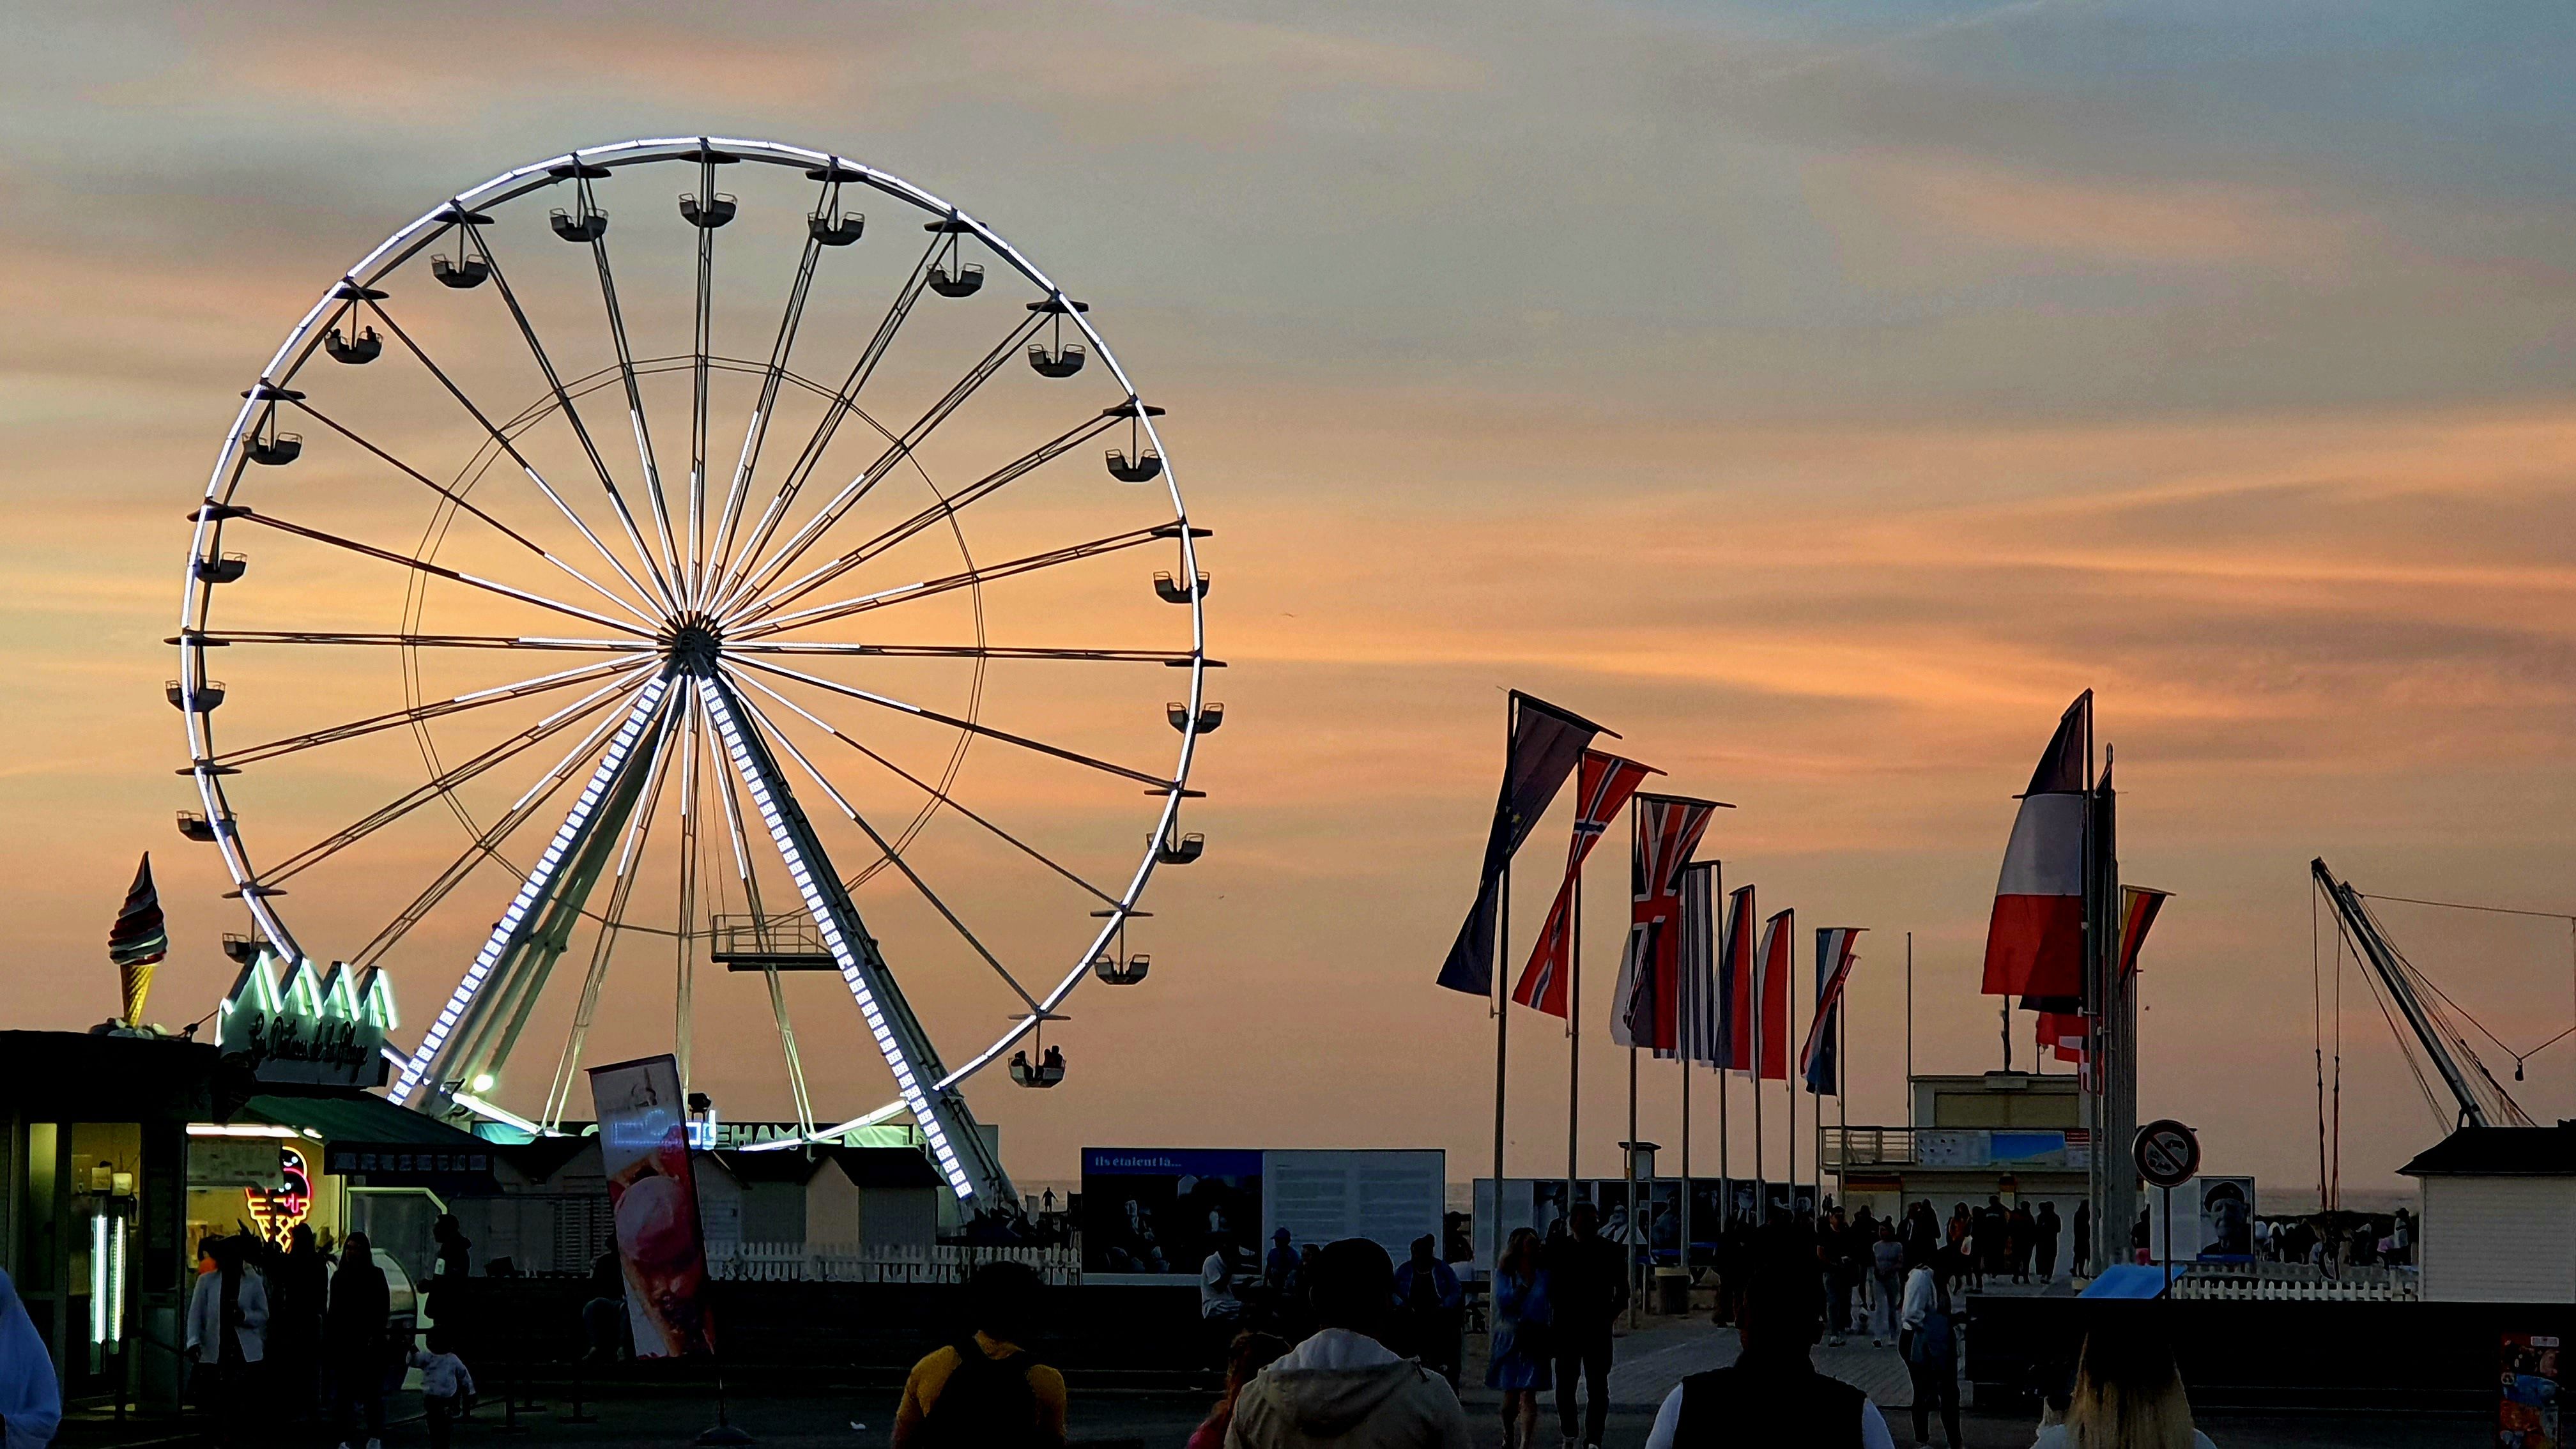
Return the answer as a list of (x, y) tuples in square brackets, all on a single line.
[(2130, 1280)]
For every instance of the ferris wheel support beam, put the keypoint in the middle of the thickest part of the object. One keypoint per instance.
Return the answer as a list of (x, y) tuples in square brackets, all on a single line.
[(519, 921), (957, 1146)]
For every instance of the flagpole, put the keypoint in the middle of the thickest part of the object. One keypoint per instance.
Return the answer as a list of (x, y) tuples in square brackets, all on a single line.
[(1636, 1217), (1842, 1078), (1686, 1136), (1573, 1033), (1791, 1074), (1502, 1003)]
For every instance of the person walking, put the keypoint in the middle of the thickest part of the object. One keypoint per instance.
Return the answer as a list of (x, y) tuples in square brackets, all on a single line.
[(2128, 1393), (1343, 1387), (31, 1398), (1250, 1354), (228, 1335), (357, 1350), (446, 1387), (1433, 1307), (2080, 1257), (1772, 1393), (1587, 1289), (1519, 1362), (2024, 1232), (1929, 1341), (985, 1391), (298, 1286), (1887, 1283), (2049, 1227)]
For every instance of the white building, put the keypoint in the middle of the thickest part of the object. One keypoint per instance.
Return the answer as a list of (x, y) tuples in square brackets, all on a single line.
[(2499, 1215)]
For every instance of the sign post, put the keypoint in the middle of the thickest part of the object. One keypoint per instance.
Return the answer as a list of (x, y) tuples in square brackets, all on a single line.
[(2167, 1155)]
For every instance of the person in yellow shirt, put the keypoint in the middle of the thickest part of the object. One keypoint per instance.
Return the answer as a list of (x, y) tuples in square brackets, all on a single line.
[(985, 1390)]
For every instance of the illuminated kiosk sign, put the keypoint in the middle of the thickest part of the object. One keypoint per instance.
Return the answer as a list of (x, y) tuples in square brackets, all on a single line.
[(299, 1027)]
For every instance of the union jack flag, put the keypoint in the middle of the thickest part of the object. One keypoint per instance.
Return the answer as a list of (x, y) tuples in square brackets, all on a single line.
[(1604, 785), (1668, 829)]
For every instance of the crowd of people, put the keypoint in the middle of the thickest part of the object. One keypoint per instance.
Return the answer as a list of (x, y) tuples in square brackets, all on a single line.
[(302, 1337), (1345, 1377)]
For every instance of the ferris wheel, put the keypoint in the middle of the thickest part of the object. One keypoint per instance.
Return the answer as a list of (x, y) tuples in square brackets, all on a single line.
[(847, 652)]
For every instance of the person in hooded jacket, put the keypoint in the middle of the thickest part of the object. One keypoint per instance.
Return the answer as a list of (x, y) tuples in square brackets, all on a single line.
[(1343, 1387), (358, 1352), (31, 1398)]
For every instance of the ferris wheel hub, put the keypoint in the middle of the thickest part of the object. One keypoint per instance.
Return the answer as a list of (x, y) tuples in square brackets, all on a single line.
[(695, 646)]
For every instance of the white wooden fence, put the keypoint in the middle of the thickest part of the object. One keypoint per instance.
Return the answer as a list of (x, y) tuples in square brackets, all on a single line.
[(861, 1263), (2294, 1283)]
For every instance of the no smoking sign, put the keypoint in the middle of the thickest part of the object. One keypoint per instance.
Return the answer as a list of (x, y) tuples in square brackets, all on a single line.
[(2167, 1153)]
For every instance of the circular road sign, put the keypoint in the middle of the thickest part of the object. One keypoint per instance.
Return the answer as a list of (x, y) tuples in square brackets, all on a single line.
[(2167, 1153)]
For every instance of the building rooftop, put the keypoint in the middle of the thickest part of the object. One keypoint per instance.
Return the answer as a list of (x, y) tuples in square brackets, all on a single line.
[(2500, 1152)]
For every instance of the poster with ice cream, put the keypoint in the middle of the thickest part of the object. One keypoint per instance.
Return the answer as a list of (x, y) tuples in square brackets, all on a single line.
[(653, 1198)]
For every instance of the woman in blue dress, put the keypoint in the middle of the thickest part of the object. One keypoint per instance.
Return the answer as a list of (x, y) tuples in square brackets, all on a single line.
[(1519, 1363)]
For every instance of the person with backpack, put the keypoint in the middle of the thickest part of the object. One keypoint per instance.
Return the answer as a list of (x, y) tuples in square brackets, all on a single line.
[(1343, 1387), (1772, 1393), (984, 1391), (1929, 1341)]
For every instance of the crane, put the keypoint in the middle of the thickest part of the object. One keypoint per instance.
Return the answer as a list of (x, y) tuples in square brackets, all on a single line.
[(2483, 1101)]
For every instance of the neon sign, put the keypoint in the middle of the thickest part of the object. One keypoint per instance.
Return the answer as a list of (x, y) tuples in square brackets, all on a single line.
[(278, 1209), (303, 1028)]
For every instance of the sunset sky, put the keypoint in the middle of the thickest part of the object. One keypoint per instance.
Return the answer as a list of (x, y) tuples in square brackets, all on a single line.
[(1820, 396)]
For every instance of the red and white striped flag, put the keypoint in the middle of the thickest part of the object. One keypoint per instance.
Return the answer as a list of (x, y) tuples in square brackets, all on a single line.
[(2035, 938), (1603, 787), (1834, 960), (1772, 968), (1649, 996)]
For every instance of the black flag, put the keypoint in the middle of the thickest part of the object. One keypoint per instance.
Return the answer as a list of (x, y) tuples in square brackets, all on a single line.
[(1547, 743)]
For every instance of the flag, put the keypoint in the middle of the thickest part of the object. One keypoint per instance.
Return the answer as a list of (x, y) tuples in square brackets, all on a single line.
[(1739, 985), (1668, 829), (2138, 907), (1834, 959), (1773, 963), (1546, 743), (1601, 789), (2062, 1033), (2035, 938), (137, 940), (1702, 1032)]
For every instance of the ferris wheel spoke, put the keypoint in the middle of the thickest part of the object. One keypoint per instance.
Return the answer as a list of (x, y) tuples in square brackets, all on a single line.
[(418, 641), (626, 373), (796, 1088), (246, 514), (891, 852), (905, 593), (844, 402), (667, 576), (501, 438), (460, 501), (986, 731), (927, 788), (756, 431), (948, 507), (612, 922), (758, 575), (449, 779), (1175, 659), (456, 704)]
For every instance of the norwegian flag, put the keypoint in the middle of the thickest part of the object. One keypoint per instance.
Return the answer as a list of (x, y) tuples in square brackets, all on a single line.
[(1703, 1036), (1668, 829), (1603, 787)]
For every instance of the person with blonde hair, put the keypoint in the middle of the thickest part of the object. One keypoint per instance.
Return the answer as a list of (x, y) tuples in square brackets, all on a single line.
[(2128, 1392)]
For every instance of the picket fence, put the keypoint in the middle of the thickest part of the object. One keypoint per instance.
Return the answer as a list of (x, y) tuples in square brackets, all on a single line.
[(862, 1263), (2295, 1283)]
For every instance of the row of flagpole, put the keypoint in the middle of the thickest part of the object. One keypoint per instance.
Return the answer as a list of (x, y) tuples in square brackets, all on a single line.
[(1687, 991)]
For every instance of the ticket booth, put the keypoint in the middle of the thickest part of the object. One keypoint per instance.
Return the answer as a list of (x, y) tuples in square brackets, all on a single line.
[(93, 1203)]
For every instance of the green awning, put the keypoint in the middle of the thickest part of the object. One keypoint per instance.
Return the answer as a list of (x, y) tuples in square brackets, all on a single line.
[(362, 1118)]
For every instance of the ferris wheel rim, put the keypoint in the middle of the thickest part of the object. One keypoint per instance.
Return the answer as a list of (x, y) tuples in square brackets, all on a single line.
[(303, 337)]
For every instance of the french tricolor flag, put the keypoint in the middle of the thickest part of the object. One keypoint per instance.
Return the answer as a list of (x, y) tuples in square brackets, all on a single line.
[(2035, 939)]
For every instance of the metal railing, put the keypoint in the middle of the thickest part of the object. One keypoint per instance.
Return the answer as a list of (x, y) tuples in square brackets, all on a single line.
[(865, 1263), (1869, 1147)]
